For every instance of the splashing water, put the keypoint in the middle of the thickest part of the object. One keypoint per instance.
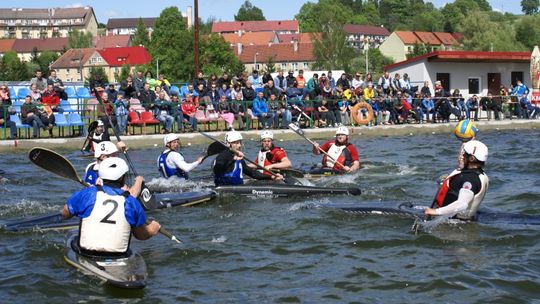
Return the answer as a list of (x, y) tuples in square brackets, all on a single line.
[(221, 239)]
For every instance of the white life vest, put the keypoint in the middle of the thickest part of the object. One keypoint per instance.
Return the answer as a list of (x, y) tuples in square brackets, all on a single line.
[(261, 158), (334, 152), (106, 229), (470, 212)]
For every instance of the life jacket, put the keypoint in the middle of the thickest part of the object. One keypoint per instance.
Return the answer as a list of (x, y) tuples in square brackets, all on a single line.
[(235, 177), (106, 229), (265, 158), (446, 195), (339, 153), (91, 176), (167, 171)]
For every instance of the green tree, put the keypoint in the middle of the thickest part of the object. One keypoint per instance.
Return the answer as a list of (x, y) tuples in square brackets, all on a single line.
[(528, 31), (140, 37), (418, 49), (45, 59), (331, 49), (93, 72), (248, 12), (311, 14), (125, 71), (217, 56), (270, 65), (376, 61), (79, 39), (172, 45), (205, 28), (530, 7), (13, 69)]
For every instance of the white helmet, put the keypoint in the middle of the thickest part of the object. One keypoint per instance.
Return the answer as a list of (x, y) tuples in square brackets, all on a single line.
[(342, 130), (100, 123), (233, 136), (267, 134), (477, 149), (104, 148), (169, 137), (113, 168)]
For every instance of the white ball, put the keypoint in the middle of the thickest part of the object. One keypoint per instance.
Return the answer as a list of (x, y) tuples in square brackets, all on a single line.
[(155, 145), (189, 144)]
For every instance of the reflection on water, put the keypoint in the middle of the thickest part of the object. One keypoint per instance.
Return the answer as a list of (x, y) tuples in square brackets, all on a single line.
[(298, 249)]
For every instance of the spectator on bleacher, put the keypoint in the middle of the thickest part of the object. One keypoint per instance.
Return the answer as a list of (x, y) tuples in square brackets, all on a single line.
[(237, 108), (293, 91), (236, 92), (280, 82), (438, 89), (164, 83), (472, 105), (425, 89), (301, 80), (368, 79), (200, 91), (385, 82), (139, 82), (396, 84), (255, 79), (121, 110), (491, 104), (31, 116), (50, 102), (274, 108), (428, 107), (266, 77), (240, 79), (177, 112), (127, 86), (343, 106), (225, 90), (213, 94), (149, 78), (519, 89), (290, 78), (458, 102), (224, 111), (326, 118), (164, 112), (39, 81), (112, 92), (325, 88), (212, 79), (509, 107), (6, 122), (224, 79), (402, 107), (188, 110), (442, 107), (369, 93), (331, 80), (147, 97), (57, 84), (248, 92), (105, 110), (35, 93), (96, 82), (260, 110), (405, 84), (357, 83), (527, 109), (158, 90), (417, 107), (199, 80), (270, 89), (5, 98), (312, 85), (188, 90)]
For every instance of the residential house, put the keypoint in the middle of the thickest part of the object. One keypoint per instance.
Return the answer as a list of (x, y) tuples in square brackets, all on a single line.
[(127, 26), (469, 71), (28, 23), (251, 38), (25, 47), (298, 37), (277, 26), (286, 56), (400, 43), (6, 45), (103, 42), (358, 35), (75, 64)]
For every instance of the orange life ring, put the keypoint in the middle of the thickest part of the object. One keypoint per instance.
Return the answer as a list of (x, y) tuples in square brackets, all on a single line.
[(356, 116)]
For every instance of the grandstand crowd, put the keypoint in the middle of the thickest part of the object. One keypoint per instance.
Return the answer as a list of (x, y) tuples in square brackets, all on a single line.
[(244, 102)]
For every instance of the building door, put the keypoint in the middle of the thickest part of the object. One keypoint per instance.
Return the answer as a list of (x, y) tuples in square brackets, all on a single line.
[(514, 76), (494, 83), (444, 78)]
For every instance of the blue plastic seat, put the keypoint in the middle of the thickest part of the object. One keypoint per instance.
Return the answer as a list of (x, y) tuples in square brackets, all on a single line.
[(83, 92), (174, 90), (70, 91), (12, 94), (60, 121), (66, 106), (17, 120), (75, 120), (22, 93), (16, 104)]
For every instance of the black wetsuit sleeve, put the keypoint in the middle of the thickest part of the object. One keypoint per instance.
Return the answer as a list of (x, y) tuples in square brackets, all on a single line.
[(254, 173)]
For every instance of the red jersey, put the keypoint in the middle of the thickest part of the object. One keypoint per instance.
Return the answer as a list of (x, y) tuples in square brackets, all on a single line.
[(265, 158), (188, 108), (344, 154)]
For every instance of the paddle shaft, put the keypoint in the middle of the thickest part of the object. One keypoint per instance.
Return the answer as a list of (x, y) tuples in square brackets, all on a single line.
[(302, 112), (297, 131), (91, 129)]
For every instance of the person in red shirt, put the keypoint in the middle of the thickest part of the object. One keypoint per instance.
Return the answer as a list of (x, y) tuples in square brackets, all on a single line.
[(188, 111), (340, 154), (270, 156)]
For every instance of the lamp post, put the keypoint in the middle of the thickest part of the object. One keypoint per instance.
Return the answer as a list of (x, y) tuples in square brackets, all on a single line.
[(196, 36), (366, 51), (255, 61)]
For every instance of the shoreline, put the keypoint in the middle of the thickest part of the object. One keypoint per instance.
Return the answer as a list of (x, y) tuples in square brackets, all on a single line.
[(146, 141)]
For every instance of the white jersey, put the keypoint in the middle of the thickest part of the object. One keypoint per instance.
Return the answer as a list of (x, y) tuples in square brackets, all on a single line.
[(106, 229), (334, 152)]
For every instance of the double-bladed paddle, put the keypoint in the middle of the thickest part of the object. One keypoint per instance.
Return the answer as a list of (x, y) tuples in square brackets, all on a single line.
[(91, 127), (61, 166), (300, 132)]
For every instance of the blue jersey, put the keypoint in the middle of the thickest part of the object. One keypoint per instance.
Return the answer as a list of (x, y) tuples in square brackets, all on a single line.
[(167, 171), (81, 204), (235, 177)]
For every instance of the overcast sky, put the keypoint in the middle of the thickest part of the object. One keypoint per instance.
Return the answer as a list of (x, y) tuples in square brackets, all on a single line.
[(220, 9)]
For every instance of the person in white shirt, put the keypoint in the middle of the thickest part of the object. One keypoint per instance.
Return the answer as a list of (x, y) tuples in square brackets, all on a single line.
[(171, 162)]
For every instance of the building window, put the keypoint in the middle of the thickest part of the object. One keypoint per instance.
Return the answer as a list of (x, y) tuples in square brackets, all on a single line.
[(514, 76), (306, 66), (295, 66), (283, 66), (444, 78), (67, 71), (474, 85)]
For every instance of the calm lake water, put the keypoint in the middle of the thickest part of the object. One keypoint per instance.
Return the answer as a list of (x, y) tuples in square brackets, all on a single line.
[(301, 250)]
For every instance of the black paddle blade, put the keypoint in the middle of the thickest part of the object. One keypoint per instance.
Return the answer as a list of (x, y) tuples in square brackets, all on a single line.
[(53, 162), (215, 148), (292, 173), (147, 198), (296, 129), (92, 126)]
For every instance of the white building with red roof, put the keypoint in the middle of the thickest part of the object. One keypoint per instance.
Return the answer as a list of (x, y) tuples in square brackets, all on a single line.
[(471, 72), (358, 35), (401, 43), (277, 26)]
